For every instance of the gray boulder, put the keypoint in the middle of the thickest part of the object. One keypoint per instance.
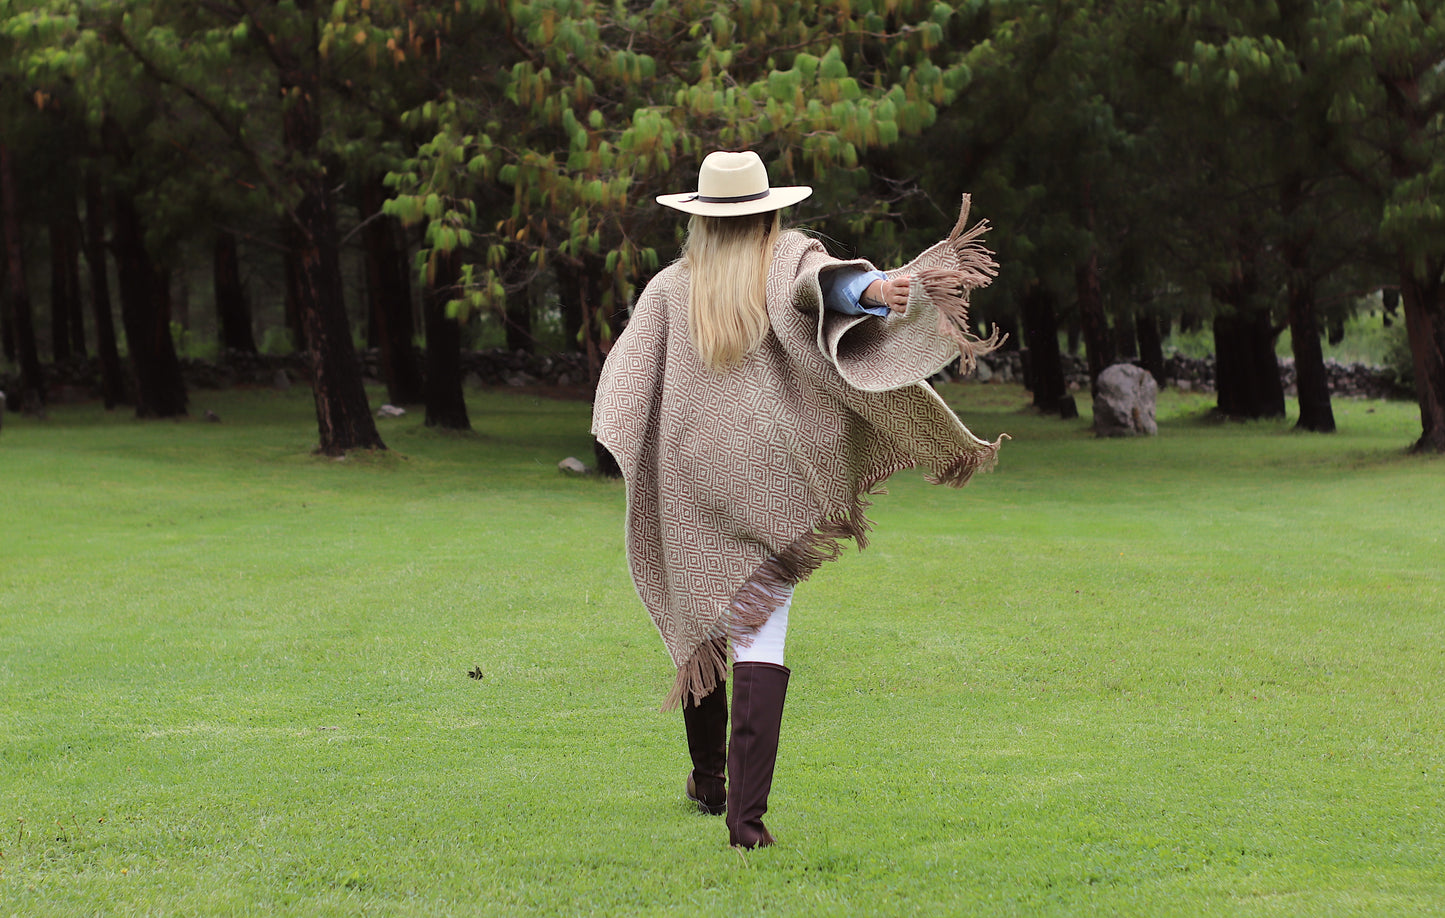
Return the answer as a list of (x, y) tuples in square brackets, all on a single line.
[(573, 466), (1125, 403)]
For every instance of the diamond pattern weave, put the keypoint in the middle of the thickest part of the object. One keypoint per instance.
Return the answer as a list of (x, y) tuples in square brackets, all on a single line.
[(744, 480)]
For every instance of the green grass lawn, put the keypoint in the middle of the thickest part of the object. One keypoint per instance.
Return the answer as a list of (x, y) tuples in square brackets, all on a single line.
[(1199, 674)]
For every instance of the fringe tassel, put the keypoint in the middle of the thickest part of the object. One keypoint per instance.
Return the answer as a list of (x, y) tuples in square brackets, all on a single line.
[(700, 675), (958, 474), (974, 261), (949, 288)]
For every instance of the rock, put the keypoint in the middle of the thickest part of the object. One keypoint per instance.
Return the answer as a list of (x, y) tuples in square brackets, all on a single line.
[(212, 416), (572, 466), (1068, 408), (282, 380), (1184, 385), (983, 372), (519, 379), (390, 411), (1124, 405)]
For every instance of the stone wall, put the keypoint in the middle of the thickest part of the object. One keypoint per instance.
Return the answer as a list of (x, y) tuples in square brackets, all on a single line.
[(1197, 374), (77, 380)]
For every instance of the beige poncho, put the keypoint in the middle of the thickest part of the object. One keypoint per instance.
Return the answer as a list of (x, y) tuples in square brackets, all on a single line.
[(742, 482)]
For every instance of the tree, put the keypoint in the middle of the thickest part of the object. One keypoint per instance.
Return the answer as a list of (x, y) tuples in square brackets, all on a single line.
[(552, 159), (17, 294), (1257, 74), (233, 312), (1389, 101), (185, 50), (112, 379), (389, 290), (1036, 138)]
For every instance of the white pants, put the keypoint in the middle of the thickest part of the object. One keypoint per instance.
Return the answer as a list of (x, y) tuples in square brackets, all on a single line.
[(767, 644)]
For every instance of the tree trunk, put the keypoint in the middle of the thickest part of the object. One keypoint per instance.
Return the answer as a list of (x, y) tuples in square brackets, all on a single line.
[(1424, 298), (111, 375), (67, 322), (1044, 373), (1231, 366), (160, 390), (1313, 387), (178, 292), (7, 334), (1311, 384), (343, 415), (446, 405), (1246, 370), (1095, 326), (60, 309), (577, 283), (22, 322), (588, 302), (388, 289), (572, 315), (1151, 345), (1126, 337), (292, 270), (233, 309), (518, 315)]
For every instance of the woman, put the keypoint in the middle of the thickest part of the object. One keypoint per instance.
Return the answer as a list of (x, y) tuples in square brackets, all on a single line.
[(760, 391)]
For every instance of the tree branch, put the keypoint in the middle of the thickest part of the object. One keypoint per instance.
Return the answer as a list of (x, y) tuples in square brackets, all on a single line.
[(230, 129)]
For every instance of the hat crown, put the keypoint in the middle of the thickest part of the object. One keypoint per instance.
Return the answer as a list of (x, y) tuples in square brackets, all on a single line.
[(726, 175), (733, 184)]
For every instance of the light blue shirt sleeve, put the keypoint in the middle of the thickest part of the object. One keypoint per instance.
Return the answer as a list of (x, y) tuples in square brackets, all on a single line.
[(843, 288)]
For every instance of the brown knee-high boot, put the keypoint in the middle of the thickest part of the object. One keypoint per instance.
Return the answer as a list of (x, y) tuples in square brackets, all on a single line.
[(758, 693), (707, 743)]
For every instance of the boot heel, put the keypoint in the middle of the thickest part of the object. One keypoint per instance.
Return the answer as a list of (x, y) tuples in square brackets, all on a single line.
[(713, 803)]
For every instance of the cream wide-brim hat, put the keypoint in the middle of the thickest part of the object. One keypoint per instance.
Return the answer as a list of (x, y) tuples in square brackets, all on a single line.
[(734, 185)]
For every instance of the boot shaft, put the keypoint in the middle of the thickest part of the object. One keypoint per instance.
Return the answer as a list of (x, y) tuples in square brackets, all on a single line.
[(759, 691), (707, 745)]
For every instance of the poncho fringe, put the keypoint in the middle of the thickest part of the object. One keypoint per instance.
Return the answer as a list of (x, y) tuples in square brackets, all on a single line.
[(757, 599), (762, 593), (949, 289)]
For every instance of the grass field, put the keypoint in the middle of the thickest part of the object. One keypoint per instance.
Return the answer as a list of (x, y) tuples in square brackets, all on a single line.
[(1200, 674)]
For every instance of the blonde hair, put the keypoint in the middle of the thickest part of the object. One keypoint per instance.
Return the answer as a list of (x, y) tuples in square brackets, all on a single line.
[(727, 260)]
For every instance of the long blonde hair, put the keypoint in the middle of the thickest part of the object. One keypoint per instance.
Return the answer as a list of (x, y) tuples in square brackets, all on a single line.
[(727, 260)]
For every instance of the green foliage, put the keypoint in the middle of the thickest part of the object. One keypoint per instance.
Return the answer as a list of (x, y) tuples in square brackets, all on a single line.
[(603, 106), (1390, 96), (1181, 146)]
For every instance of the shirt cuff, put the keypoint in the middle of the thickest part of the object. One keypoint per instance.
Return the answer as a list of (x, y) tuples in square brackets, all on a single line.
[(843, 290)]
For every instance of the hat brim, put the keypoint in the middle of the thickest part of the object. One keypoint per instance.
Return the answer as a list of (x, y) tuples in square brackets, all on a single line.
[(776, 199)]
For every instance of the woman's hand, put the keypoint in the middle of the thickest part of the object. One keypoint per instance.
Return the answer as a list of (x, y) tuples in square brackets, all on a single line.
[(890, 293)]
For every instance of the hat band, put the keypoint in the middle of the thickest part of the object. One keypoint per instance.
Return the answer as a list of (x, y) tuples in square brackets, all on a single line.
[(736, 199)]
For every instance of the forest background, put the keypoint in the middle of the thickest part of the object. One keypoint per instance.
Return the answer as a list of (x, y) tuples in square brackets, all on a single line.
[(429, 177)]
